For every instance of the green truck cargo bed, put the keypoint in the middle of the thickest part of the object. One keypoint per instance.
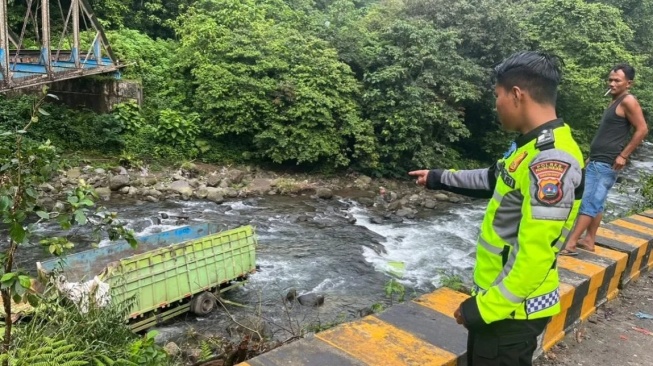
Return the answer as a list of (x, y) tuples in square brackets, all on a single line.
[(170, 280)]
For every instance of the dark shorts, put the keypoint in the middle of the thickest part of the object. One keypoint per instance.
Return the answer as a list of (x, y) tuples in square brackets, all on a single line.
[(599, 179)]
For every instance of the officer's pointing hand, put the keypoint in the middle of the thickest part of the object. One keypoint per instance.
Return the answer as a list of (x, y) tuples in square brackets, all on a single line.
[(420, 176)]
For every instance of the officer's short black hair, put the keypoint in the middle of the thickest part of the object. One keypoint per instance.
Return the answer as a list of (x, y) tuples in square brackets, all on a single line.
[(628, 70), (537, 72)]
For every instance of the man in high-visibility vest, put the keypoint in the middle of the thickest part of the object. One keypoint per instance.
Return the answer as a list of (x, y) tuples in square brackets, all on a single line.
[(534, 191)]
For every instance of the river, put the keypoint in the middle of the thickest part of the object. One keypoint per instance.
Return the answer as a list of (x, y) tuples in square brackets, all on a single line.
[(348, 263)]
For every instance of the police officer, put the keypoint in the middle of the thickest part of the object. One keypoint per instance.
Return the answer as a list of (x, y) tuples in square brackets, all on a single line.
[(534, 191)]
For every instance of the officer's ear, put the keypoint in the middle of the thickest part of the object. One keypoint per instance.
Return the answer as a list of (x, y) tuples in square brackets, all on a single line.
[(517, 95)]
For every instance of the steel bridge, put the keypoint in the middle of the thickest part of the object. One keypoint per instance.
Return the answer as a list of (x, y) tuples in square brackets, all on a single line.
[(47, 63)]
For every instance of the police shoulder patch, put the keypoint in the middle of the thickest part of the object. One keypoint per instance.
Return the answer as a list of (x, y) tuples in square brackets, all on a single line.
[(549, 175), (515, 163)]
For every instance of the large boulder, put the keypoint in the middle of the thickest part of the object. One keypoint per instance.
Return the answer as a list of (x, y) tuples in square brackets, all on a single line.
[(260, 185), (116, 182), (236, 176), (441, 197), (311, 299), (104, 193), (214, 194), (182, 187), (324, 193), (362, 182), (213, 180)]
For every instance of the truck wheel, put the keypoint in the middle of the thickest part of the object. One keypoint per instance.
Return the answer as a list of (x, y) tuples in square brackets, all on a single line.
[(203, 304)]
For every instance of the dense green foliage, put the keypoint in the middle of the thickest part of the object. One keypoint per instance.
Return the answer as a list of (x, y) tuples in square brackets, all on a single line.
[(58, 333), (377, 85)]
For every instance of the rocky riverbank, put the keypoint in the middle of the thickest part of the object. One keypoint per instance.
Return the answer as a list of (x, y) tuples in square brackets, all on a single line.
[(393, 200)]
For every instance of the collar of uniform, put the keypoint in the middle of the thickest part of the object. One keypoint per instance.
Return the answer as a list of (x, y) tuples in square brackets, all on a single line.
[(532, 135)]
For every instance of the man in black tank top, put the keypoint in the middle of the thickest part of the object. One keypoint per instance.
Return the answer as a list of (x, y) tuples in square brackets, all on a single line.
[(609, 153)]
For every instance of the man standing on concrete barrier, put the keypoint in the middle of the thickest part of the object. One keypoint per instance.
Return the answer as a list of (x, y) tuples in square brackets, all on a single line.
[(608, 155), (535, 192)]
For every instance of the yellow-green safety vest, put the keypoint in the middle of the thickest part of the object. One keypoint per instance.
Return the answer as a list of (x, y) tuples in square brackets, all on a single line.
[(535, 192)]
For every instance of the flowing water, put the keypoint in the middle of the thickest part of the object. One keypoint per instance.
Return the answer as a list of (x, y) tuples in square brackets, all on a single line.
[(306, 244)]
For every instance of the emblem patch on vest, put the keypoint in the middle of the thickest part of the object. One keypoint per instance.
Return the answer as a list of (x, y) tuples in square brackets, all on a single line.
[(549, 174), (515, 163)]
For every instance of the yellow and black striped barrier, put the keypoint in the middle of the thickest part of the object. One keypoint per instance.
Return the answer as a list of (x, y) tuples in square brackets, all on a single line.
[(424, 332)]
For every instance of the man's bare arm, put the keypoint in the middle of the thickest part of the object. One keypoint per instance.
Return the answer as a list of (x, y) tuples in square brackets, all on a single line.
[(634, 114)]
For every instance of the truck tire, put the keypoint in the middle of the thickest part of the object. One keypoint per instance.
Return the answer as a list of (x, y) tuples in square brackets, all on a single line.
[(203, 304)]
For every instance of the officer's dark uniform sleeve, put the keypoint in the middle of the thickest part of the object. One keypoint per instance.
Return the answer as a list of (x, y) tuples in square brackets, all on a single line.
[(477, 183)]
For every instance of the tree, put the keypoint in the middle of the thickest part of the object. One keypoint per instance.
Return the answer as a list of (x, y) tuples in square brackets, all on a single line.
[(25, 165), (284, 92), (415, 87), (590, 38)]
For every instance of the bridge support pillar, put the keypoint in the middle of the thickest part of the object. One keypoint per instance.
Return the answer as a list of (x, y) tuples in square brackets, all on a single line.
[(97, 93)]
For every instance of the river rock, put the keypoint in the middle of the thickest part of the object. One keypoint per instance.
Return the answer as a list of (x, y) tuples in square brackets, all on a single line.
[(231, 193), (124, 190), (104, 193), (73, 174), (182, 187), (391, 196), (394, 206), (46, 203), (430, 204), (190, 169), (193, 354), (406, 212), (151, 199), (225, 183), (454, 199), (146, 181), (47, 187), (324, 193), (236, 176), (133, 191), (213, 180), (362, 182), (100, 171), (194, 182), (260, 185), (201, 193), (214, 195), (303, 218), (441, 197), (172, 349), (118, 181), (311, 299), (291, 295), (414, 198), (119, 170)]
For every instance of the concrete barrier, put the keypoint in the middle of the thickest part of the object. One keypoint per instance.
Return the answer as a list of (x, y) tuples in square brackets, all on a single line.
[(424, 332)]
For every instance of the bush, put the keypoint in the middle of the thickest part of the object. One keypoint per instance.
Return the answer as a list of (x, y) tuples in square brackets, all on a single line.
[(58, 332)]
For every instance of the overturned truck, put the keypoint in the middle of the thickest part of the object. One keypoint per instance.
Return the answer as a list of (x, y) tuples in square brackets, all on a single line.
[(168, 274)]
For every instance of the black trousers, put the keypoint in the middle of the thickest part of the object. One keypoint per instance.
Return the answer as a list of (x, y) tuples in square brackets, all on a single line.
[(504, 343)]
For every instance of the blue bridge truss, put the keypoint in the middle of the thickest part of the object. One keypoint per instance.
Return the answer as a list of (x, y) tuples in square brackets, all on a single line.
[(21, 68)]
